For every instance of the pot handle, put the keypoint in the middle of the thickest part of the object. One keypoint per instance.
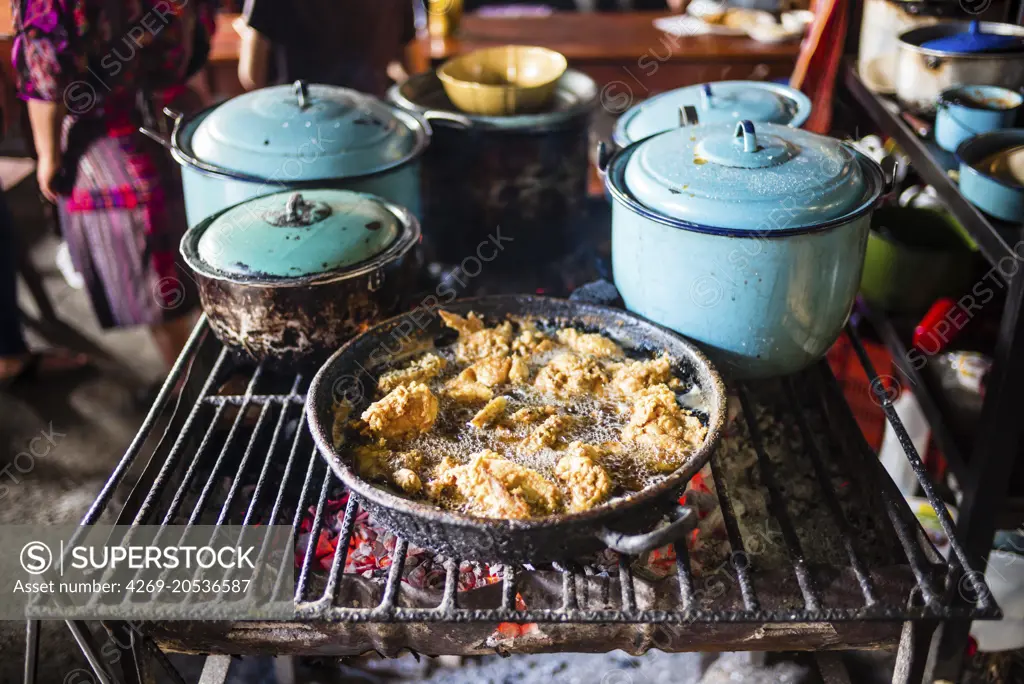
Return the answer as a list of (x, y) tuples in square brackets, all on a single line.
[(932, 62), (176, 117), (688, 116), (636, 544), (603, 157), (457, 120)]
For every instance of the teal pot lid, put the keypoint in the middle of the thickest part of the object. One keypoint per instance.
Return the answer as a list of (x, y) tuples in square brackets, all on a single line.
[(747, 177), (304, 132), (291, 235), (721, 102)]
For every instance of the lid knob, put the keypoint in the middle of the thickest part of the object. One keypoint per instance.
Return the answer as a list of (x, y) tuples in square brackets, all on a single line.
[(298, 212), (688, 116), (745, 136), (705, 96), (301, 93)]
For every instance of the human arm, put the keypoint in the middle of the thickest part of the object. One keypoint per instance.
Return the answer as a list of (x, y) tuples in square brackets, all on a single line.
[(46, 119)]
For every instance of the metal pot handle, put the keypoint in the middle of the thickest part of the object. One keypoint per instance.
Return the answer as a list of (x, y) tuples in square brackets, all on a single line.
[(603, 158), (176, 117), (457, 120), (932, 62), (688, 116), (636, 544)]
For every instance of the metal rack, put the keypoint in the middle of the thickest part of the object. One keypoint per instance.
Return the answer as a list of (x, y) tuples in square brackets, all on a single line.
[(984, 466), (207, 457)]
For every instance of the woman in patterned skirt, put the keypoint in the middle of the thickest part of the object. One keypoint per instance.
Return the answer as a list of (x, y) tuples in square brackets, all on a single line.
[(92, 72)]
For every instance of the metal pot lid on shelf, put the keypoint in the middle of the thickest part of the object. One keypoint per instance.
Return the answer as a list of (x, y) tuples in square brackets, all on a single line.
[(306, 132), (721, 102), (747, 178), (293, 235)]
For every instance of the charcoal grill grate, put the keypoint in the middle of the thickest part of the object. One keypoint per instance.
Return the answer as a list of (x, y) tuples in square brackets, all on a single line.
[(260, 466)]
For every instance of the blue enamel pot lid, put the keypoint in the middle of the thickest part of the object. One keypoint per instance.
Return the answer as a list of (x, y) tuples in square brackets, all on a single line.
[(720, 102), (303, 132), (745, 179), (299, 237)]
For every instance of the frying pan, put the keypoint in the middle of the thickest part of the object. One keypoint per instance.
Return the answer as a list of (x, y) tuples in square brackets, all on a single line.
[(626, 524)]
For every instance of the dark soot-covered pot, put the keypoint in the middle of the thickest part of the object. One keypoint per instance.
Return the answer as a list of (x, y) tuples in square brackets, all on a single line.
[(625, 524), (292, 276), (525, 173)]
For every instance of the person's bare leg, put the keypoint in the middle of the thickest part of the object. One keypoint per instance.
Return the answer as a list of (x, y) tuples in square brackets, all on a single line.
[(170, 337)]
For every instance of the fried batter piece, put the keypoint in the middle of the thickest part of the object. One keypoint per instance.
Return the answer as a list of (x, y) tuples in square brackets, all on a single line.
[(425, 368), (657, 421), (546, 434), (490, 413), (519, 371), (633, 376), (466, 389), (587, 482), (567, 375), (341, 410), (531, 341), (493, 370), (375, 462), (405, 410), (475, 341), (531, 414), (494, 487), (589, 344)]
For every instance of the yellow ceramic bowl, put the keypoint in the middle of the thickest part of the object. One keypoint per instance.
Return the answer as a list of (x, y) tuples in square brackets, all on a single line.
[(502, 81)]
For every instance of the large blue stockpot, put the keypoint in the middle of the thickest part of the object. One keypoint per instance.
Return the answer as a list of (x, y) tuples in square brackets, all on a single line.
[(298, 137), (719, 102), (968, 110), (748, 240)]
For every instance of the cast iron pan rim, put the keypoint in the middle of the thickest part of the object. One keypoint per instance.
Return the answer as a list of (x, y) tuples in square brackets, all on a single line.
[(409, 236), (184, 156), (673, 482)]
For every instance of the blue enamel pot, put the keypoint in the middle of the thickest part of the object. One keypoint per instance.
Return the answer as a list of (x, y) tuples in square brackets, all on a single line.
[(987, 175), (298, 137), (719, 102), (749, 241), (966, 111)]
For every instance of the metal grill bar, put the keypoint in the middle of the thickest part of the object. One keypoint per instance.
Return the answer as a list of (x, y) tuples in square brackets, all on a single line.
[(864, 580), (341, 548), (626, 584), (738, 558), (985, 597), (778, 508), (314, 537), (685, 576)]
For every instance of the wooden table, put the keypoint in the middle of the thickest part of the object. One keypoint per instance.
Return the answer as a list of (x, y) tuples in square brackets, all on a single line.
[(624, 52)]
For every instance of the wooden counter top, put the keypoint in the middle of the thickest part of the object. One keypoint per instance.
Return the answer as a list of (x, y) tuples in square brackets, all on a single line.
[(601, 36)]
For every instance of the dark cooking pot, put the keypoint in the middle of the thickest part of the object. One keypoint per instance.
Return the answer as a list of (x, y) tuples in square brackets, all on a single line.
[(297, 136), (526, 174), (292, 276), (623, 524)]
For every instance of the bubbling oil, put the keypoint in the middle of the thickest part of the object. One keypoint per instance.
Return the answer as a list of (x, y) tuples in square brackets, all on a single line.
[(597, 419)]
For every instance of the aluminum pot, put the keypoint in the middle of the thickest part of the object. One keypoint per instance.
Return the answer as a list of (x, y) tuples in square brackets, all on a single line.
[(923, 74), (627, 524), (525, 175), (289, 277), (748, 241), (299, 136)]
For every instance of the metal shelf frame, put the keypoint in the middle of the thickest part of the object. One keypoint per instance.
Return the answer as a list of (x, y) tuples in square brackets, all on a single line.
[(984, 472)]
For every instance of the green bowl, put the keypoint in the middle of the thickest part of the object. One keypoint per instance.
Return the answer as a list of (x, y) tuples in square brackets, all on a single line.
[(914, 256)]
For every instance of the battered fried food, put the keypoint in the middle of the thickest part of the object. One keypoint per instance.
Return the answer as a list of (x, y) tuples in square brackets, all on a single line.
[(586, 482), (490, 413), (477, 342), (404, 411), (589, 344), (531, 414), (568, 375), (531, 341), (408, 481), (493, 370), (546, 434), (377, 462), (341, 410), (633, 376), (657, 421), (494, 487), (427, 367), (465, 389), (519, 371)]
